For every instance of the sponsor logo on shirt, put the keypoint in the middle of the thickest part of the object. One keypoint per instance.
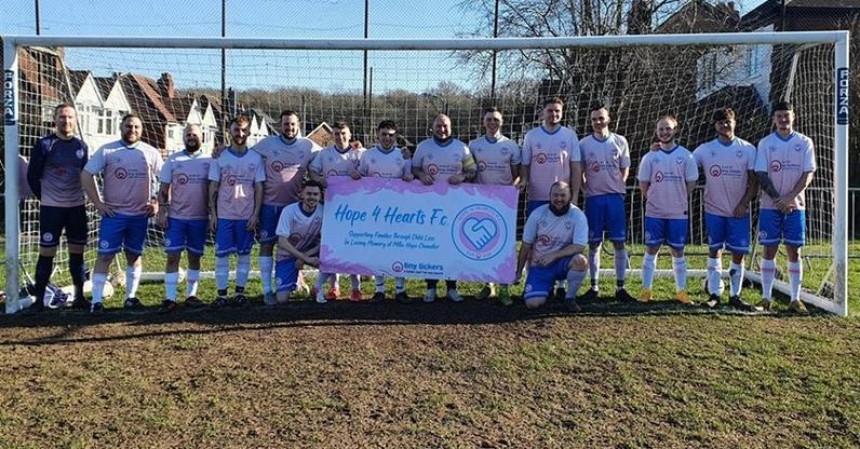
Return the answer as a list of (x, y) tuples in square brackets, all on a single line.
[(715, 171), (776, 166)]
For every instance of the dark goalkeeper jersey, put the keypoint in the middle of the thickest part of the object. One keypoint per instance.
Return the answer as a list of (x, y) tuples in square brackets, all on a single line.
[(54, 175)]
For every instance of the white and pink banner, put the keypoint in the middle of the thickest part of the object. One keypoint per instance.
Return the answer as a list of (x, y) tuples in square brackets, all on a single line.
[(387, 226)]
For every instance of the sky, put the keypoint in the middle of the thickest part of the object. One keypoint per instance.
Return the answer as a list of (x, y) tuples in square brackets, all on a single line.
[(416, 71)]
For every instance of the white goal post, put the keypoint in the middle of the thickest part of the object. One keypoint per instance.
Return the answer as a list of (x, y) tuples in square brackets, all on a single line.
[(836, 303)]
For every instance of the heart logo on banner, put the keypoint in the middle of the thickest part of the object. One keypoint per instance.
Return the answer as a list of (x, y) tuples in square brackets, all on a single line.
[(479, 232)]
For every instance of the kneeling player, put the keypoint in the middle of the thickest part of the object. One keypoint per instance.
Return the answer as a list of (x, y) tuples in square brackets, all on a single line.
[(554, 239), (298, 231)]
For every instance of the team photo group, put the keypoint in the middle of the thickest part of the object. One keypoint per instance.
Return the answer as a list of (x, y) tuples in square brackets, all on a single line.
[(272, 195)]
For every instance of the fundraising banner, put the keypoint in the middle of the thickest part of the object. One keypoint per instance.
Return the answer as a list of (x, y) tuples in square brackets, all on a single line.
[(387, 226)]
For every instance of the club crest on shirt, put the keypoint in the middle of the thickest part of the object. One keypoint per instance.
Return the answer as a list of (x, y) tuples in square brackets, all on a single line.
[(568, 224), (797, 148), (47, 237), (679, 160), (739, 154), (80, 153)]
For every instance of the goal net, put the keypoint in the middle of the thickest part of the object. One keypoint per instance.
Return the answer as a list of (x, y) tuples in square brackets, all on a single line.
[(174, 82)]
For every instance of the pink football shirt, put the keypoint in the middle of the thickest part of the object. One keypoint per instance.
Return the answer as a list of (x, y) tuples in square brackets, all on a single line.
[(785, 161), (726, 168), (548, 156), (667, 173), (188, 176), (300, 228), (602, 162), (286, 163), (236, 175), (130, 174), (494, 158), (547, 232)]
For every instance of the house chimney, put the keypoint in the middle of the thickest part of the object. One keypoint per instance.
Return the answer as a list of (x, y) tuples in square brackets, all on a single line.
[(165, 85)]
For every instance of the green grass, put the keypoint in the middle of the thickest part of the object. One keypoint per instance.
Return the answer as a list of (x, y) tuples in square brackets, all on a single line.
[(429, 376), (815, 269)]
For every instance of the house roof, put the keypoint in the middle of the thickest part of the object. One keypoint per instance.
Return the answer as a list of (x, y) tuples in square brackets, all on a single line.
[(322, 134), (180, 107), (214, 102), (770, 10), (105, 85), (77, 79), (41, 70), (145, 98), (700, 16)]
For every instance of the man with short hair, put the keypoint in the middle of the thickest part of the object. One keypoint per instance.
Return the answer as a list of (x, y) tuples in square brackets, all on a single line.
[(54, 177), (666, 176), (442, 157), (386, 160), (554, 238), (605, 167), (235, 196), (130, 170), (184, 215), (785, 165), (550, 154), (286, 159), (299, 228), (730, 184), (341, 158), (497, 159)]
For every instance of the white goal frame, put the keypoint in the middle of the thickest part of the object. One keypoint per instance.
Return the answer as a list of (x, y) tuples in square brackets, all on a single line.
[(840, 40)]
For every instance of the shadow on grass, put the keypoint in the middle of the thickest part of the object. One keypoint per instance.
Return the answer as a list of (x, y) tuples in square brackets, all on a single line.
[(255, 316)]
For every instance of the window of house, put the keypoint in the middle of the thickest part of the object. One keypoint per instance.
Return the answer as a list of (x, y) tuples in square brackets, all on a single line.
[(755, 56), (708, 71), (105, 123)]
